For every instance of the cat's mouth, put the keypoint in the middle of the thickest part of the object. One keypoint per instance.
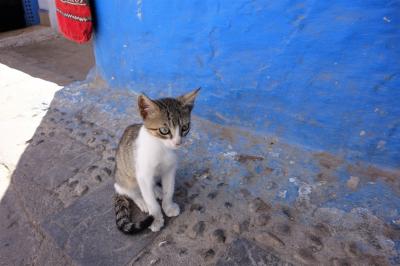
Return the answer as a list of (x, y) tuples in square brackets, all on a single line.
[(175, 147), (172, 145)]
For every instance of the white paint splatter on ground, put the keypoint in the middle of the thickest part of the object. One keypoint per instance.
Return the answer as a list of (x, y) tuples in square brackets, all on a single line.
[(304, 193), (230, 154), (282, 194)]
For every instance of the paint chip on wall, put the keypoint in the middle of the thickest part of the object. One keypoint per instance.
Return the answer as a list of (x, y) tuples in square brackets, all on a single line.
[(139, 9)]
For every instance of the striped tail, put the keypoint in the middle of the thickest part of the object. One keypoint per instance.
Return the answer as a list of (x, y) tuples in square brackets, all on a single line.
[(124, 219)]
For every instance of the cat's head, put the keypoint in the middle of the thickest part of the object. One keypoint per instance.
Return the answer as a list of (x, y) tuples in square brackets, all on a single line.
[(169, 118)]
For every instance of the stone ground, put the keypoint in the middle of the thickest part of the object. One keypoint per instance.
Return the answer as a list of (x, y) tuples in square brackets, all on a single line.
[(245, 199)]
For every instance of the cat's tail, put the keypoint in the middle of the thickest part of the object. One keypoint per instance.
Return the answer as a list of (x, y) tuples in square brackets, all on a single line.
[(124, 219)]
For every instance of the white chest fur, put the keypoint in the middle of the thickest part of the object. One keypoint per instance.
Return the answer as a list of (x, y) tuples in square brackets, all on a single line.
[(152, 156)]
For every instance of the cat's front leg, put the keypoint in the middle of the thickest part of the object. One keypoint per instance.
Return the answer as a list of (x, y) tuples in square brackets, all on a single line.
[(170, 208), (146, 184)]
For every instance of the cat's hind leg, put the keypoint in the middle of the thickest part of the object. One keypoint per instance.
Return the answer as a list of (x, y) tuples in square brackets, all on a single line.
[(133, 194), (146, 185), (139, 201)]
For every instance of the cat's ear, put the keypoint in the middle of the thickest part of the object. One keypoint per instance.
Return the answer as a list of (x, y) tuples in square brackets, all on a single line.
[(188, 98), (147, 107)]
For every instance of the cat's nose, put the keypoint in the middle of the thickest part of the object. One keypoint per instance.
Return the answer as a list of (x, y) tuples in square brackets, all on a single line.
[(178, 142)]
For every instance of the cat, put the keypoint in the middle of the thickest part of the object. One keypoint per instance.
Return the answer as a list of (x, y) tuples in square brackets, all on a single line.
[(147, 151)]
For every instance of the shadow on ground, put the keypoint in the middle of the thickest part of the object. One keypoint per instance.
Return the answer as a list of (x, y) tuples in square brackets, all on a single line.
[(59, 203), (57, 60)]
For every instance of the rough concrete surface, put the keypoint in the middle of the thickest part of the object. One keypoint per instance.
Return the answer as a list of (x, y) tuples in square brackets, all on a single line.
[(26, 36), (245, 199)]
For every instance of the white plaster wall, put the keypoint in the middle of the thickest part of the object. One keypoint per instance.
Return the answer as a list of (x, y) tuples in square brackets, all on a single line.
[(43, 4), (52, 13)]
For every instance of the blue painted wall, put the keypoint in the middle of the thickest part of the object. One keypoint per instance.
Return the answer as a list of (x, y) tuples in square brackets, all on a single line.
[(324, 74)]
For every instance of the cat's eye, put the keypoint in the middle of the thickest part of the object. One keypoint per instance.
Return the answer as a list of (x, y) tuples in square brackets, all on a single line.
[(185, 127), (164, 130)]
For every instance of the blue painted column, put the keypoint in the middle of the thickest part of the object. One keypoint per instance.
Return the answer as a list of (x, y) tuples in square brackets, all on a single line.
[(31, 10), (321, 74)]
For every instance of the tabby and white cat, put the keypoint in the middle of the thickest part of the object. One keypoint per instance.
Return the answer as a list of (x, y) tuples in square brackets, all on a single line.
[(146, 152)]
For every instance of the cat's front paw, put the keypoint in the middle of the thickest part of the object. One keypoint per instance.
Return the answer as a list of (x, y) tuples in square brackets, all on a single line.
[(157, 224), (172, 209)]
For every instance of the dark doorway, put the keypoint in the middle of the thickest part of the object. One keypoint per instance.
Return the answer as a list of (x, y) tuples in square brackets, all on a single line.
[(11, 15)]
